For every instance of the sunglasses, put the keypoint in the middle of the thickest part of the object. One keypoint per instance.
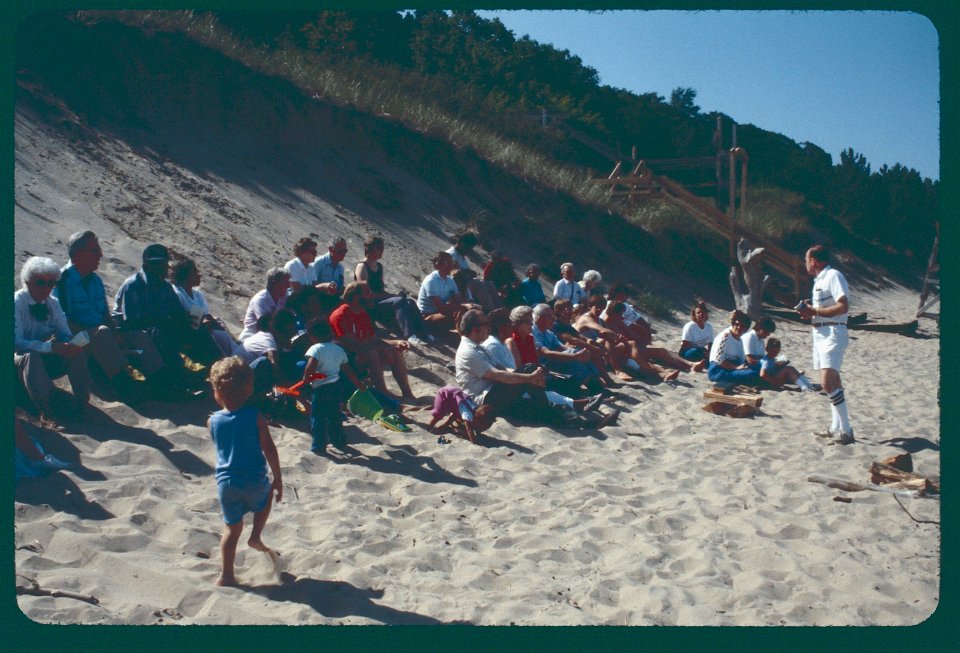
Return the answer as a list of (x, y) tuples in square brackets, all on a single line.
[(44, 283)]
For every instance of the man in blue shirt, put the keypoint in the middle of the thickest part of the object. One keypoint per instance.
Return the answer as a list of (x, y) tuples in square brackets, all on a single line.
[(82, 296), (328, 272), (557, 357)]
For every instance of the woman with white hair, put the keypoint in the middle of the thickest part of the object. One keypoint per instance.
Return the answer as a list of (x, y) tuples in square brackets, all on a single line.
[(42, 339), (590, 284)]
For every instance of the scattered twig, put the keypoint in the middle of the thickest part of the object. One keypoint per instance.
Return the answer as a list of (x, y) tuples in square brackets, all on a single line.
[(35, 590), (919, 521)]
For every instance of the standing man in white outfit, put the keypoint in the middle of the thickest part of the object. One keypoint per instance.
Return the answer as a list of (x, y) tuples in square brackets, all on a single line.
[(827, 313)]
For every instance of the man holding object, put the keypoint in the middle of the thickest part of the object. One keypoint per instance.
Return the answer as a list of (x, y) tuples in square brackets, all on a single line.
[(827, 313)]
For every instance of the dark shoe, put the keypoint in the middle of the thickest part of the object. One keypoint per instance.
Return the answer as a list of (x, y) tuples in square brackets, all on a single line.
[(845, 437), (609, 418)]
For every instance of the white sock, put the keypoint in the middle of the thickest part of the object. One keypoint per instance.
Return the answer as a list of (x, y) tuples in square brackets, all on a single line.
[(558, 399), (804, 383), (839, 404)]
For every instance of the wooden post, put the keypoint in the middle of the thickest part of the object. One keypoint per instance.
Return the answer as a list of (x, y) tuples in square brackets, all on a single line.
[(743, 182), (732, 206), (718, 142)]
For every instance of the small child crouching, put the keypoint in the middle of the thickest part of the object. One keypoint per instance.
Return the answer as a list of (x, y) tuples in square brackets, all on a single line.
[(244, 448), (329, 358), (451, 402)]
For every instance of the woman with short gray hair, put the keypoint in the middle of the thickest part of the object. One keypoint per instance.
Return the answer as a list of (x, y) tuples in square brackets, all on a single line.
[(42, 340)]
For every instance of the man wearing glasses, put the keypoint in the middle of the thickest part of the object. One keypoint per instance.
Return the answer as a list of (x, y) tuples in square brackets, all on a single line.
[(42, 341), (827, 312)]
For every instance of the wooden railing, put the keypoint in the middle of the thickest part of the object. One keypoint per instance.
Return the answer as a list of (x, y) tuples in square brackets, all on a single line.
[(642, 182)]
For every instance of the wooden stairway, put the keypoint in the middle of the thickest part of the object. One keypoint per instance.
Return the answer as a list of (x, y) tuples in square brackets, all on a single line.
[(642, 182)]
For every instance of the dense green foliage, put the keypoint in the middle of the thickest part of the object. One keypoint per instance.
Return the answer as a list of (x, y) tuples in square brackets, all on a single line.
[(482, 72)]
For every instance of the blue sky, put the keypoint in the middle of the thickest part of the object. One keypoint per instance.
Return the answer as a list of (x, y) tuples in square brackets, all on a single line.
[(866, 80)]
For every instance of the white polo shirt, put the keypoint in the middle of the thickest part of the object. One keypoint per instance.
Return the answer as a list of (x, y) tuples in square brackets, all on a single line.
[(828, 287)]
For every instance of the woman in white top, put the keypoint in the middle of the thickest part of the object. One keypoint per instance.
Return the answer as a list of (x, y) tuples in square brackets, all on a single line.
[(568, 287), (301, 274), (186, 278), (697, 334), (728, 366)]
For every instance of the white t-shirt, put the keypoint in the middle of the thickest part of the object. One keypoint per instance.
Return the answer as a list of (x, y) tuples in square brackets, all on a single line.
[(752, 344), (459, 258), (499, 353), (472, 362), (631, 315), (330, 356), (197, 302), (435, 286), (256, 346), (726, 347), (299, 273), (694, 334)]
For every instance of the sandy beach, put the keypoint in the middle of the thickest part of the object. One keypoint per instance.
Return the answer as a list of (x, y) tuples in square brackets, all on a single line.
[(674, 516)]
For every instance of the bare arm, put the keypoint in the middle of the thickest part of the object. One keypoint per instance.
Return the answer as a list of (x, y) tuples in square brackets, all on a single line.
[(270, 453), (842, 306), (513, 378)]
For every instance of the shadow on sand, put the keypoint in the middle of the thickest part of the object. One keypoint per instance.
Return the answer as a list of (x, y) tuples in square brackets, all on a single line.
[(336, 599)]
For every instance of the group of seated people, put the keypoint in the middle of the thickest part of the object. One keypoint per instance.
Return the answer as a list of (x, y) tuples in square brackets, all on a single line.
[(519, 354), (740, 355)]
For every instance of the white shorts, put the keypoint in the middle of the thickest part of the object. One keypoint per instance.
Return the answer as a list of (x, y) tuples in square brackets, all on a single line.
[(829, 345)]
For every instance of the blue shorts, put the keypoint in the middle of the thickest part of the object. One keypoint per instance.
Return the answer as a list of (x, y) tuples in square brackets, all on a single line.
[(238, 499)]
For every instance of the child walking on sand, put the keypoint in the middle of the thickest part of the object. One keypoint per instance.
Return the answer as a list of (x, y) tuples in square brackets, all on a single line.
[(244, 448)]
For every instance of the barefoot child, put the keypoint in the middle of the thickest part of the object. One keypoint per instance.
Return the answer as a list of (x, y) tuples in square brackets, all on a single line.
[(244, 448), (451, 402)]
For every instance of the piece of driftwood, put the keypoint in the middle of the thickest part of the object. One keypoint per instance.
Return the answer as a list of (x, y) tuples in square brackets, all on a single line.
[(903, 462), (36, 590), (854, 486), (714, 395), (731, 410), (886, 475), (751, 300)]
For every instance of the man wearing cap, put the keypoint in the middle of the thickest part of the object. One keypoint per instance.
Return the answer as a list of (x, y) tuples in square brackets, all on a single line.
[(147, 301), (827, 311), (83, 299)]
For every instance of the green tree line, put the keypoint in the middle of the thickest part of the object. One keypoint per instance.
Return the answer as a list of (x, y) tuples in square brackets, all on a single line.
[(481, 71)]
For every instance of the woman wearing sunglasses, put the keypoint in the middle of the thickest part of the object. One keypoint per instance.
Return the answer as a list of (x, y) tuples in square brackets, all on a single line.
[(42, 341)]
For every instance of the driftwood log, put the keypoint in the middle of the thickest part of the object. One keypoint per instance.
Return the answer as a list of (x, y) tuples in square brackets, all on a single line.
[(890, 476), (854, 486), (753, 400), (749, 301)]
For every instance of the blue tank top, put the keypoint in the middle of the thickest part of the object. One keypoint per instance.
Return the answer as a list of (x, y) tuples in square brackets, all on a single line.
[(237, 441)]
